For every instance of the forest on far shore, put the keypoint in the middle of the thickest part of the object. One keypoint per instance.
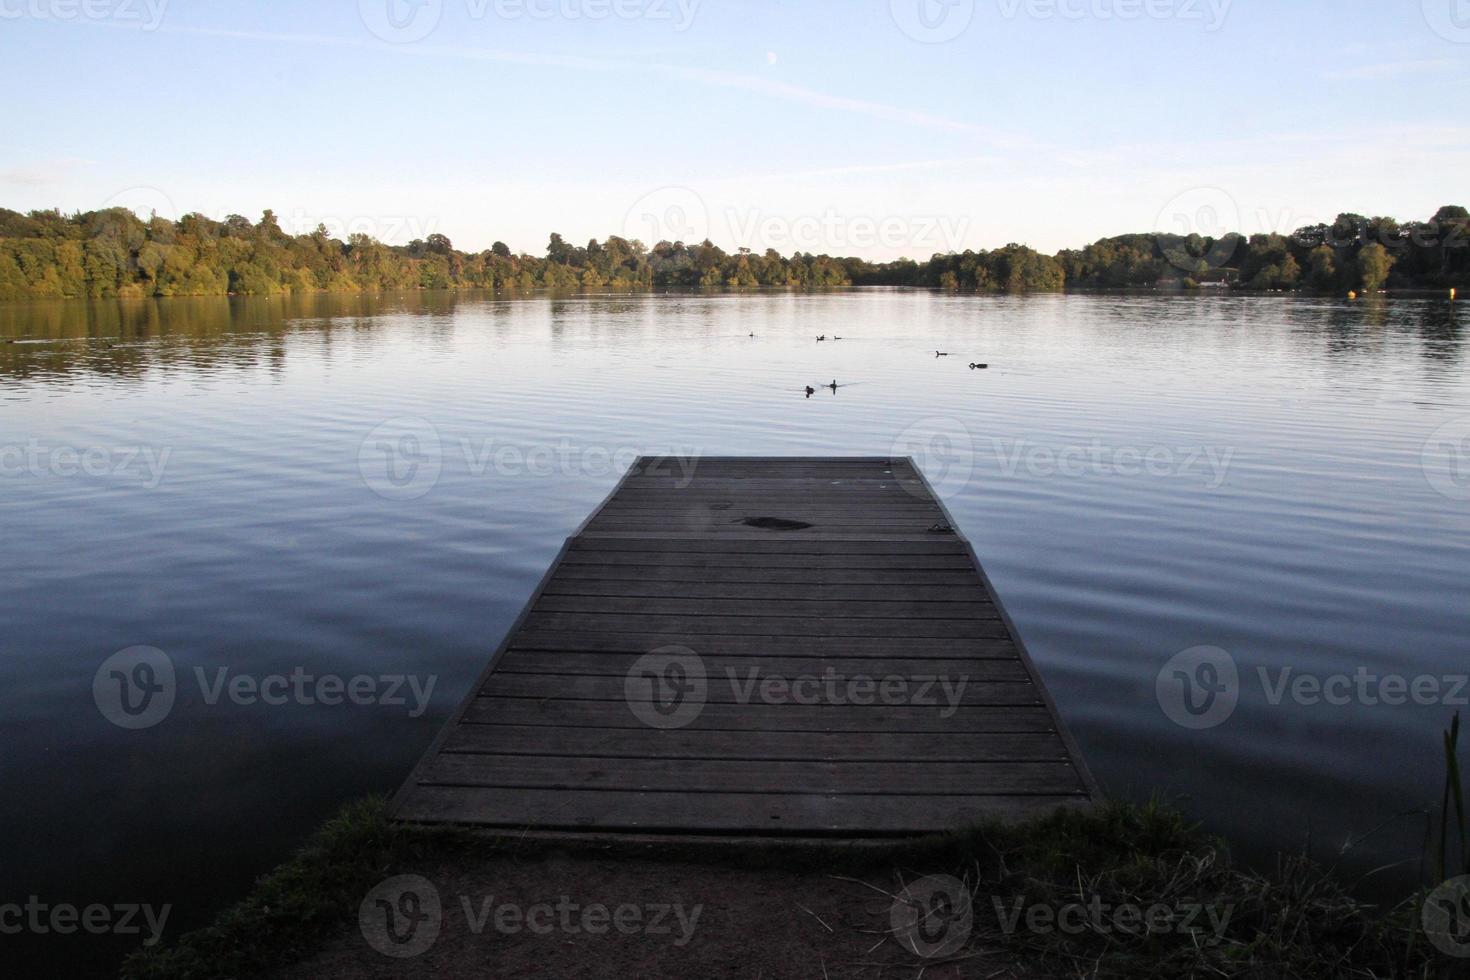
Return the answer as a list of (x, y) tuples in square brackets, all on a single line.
[(114, 252)]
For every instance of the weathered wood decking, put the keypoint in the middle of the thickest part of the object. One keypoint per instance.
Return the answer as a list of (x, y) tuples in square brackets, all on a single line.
[(557, 734)]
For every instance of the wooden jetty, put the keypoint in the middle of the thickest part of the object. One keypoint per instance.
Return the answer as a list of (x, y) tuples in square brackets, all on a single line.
[(777, 597)]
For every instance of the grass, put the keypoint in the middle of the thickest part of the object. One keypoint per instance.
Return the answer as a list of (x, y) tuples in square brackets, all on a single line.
[(1294, 923)]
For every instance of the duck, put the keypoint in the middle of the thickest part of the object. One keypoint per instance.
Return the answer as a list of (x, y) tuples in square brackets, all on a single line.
[(833, 385), (821, 338), (978, 367), (810, 391), (941, 353)]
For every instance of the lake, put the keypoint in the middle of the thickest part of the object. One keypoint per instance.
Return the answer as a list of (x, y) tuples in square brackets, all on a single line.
[(275, 491)]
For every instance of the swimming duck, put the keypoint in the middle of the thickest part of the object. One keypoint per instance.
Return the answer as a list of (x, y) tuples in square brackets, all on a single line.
[(833, 385), (810, 391), (941, 353), (978, 367), (821, 338)]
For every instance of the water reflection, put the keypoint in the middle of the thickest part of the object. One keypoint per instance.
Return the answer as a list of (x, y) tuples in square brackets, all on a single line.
[(1311, 540)]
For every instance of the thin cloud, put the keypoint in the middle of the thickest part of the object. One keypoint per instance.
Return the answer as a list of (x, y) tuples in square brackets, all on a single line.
[(1391, 69), (41, 173), (720, 79)]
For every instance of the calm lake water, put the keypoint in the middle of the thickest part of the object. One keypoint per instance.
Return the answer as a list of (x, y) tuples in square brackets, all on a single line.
[(1284, 479)]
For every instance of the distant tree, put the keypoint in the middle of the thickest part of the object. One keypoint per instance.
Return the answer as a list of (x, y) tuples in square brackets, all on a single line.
[(1374, 264), (1322, 267), (501, 249)]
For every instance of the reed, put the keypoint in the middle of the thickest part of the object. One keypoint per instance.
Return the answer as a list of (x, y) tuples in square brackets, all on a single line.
[(1452, 811)]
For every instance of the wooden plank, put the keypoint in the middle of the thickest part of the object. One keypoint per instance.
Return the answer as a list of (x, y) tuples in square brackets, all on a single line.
[(665, 559), (619, 664), (673, 811), (775, 645), (757, 588), (915, 707), (694, 743), (849, 523), (672, 545), (876, 720), (942, 692), (716, 575), (818, 608), (922, 778), (765, 625)]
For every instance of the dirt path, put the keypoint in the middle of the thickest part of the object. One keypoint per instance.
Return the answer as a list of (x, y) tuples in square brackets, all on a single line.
[(561, 916)]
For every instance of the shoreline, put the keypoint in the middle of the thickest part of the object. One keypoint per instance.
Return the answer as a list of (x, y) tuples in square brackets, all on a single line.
[(1132, 890)]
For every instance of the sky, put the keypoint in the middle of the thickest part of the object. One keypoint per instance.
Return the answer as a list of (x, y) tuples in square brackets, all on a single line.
[(876, 128)]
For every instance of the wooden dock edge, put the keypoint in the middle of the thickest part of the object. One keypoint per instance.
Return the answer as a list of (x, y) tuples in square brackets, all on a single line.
[(1084, 773)]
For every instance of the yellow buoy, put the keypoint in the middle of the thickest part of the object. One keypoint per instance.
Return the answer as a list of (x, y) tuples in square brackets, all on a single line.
[(1352, 294)]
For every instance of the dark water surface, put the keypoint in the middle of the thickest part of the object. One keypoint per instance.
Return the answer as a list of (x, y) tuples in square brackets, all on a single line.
[(1284, 479)]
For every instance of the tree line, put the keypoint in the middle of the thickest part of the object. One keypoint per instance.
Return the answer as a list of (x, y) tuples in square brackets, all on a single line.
[(115, 253)]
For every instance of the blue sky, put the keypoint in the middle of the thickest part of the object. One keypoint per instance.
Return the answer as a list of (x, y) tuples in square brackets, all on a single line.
[(870, 128)]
